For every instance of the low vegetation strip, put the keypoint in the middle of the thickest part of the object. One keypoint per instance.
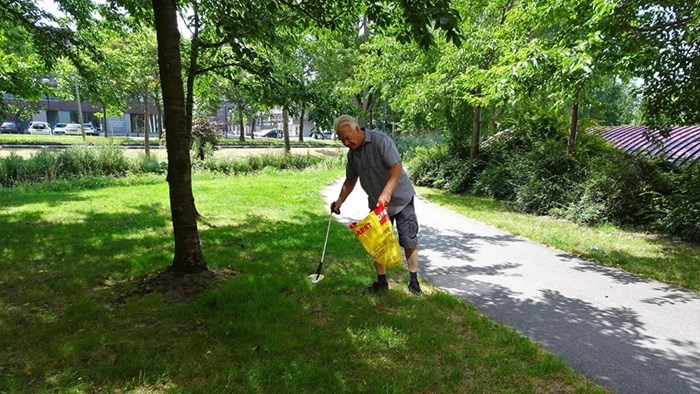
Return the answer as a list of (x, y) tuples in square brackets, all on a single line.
[(48, 165), (71, 319), (648, 255)]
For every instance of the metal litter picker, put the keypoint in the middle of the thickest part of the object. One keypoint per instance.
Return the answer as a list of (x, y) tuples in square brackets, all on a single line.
[(317, 277)]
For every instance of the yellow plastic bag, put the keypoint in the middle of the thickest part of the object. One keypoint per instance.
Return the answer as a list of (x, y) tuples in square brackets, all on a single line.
[(376, 234)]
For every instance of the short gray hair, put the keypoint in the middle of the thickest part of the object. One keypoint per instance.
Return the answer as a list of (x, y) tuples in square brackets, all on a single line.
[(343, 120)]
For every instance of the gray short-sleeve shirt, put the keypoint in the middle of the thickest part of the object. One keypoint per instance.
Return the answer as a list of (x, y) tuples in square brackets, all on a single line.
[(371, 164)]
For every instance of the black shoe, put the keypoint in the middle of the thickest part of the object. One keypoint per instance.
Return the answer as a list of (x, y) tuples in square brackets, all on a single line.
[(414, 287), (376, 288)]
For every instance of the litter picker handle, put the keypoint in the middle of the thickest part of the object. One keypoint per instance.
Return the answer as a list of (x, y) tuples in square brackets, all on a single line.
[(323, 255), (325, 243)]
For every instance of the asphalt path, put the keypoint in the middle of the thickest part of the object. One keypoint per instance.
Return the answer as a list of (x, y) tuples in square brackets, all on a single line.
[(630, 334)]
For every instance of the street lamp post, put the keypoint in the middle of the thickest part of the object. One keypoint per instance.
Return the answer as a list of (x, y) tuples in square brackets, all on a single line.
[(48, 111), (47, 81), (80, 109)]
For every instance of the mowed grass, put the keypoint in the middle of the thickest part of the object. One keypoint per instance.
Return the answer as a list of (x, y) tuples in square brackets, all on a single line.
[(648, 255), (72, 251)]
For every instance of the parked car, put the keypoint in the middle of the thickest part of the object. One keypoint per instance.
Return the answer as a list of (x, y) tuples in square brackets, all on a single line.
[(320, 134), (73, 129), (90, 129), (38, 127), (59, 128), (11, 127), (272, 133)]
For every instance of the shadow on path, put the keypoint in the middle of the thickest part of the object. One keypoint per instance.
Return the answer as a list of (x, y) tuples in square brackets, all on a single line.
[(610, 345)]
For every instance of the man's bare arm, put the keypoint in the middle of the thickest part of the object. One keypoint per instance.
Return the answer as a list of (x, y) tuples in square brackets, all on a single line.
[(393, 180)]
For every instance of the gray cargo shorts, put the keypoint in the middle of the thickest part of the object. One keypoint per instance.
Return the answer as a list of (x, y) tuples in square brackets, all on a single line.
[(406, 223)]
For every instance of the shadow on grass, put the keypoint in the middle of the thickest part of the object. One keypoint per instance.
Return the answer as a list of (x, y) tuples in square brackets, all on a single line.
[(268, 329)]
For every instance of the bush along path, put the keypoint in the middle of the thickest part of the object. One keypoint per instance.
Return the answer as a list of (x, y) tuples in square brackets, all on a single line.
[(631, 334)]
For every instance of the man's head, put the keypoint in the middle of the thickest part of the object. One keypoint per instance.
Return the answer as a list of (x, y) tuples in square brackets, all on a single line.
[(349, 132)]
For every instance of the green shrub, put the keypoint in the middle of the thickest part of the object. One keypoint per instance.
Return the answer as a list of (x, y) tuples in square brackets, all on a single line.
[(530, 168), (206, 133), (680, 209), (12, 169), (43, 166), (436, 167), (149, 164), (546, 177), (625, 189), (497, 180), (407, 144), (76, 162), (111, 161), (257, 163), (205, 136)]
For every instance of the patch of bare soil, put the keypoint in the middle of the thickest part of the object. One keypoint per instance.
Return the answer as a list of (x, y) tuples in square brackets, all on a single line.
[(175, 288)]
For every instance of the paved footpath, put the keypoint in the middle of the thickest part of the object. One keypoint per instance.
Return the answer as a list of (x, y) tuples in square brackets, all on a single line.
[(628, 333)]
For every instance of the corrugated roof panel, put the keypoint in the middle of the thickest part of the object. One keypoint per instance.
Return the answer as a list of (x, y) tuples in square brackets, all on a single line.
[(688, 154), (682, 146), (683, 143)]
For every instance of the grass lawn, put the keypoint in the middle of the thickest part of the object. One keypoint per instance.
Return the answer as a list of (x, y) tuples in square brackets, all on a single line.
[(651, 256), (70, 321)]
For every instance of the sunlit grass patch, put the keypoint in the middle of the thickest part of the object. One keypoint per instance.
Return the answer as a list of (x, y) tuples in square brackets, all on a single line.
[(378, 336)]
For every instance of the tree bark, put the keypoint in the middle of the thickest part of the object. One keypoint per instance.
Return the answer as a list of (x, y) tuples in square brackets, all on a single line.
[(301, 123), (285, 129), (241, 124), (188, 257), (146, 123), (573, 124), (159, 108)]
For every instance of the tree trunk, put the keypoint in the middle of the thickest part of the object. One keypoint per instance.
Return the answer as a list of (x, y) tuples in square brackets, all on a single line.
[(239, 107), (188, 256), (573, 125), (476, 133), (301, 123), (146, 123), (159, 108), (285, 129), (364, 103)]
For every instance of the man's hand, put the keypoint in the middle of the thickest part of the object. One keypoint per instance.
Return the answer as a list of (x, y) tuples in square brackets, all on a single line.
[(384, 199), (335, 207)]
